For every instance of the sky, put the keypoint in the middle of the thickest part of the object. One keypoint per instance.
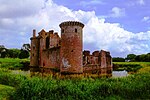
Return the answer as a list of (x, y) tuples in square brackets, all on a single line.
[(119, 26)]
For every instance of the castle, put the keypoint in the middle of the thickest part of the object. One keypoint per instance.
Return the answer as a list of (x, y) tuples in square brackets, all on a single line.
[(51, 53)]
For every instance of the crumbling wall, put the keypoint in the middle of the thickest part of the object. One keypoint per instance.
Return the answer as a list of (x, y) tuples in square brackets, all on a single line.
[(99, 62), (49, 50), (109, 63)]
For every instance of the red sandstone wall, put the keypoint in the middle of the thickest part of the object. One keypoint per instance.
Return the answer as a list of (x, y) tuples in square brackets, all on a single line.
[(109, 63), (54, 40), (49, 57), (98, 62), (71, 48)]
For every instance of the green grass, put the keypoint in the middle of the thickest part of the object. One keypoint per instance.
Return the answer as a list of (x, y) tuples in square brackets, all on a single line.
[(12, 60), (5, 91), (12, 63)]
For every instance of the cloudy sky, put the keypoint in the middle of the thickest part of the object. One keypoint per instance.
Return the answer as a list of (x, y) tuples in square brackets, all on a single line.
[(118, 26)]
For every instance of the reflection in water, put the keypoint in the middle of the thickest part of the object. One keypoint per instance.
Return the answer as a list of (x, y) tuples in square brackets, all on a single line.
[(21, 72), (119, 73)]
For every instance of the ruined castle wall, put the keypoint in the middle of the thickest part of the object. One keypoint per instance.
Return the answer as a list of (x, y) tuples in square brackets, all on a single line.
[(109, 63), (42, 47), (106, 63), (91, 59), (103, 62), (54, 40), (51, 58), (98, 62), (49, 50), (91, 62)]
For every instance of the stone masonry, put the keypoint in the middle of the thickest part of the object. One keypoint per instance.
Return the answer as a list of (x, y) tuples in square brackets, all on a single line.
[(51, 54)]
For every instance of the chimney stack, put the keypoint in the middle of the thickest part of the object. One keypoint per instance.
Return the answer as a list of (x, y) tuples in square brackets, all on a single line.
[(34, 33)]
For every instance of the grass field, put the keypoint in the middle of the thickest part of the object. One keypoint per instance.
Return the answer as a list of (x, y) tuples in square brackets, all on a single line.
[(12, 60), (12, 63)]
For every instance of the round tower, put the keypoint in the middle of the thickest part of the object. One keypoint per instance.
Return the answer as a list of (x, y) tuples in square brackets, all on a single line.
[(71, 47)]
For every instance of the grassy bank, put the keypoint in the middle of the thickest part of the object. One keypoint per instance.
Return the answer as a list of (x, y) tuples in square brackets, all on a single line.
[(5, 91), (135, 86), (131, 67)]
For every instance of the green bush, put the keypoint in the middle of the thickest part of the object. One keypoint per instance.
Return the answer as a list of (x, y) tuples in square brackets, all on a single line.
[(5, 92)]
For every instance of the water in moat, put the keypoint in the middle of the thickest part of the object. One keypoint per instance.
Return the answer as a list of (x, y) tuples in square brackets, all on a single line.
[(117, 74), (21, 72)]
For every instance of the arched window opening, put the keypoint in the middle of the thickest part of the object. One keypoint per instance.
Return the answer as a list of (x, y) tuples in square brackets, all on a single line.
[(47, 42)]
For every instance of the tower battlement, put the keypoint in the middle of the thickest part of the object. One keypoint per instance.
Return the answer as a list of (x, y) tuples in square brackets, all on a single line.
[(71, 23)]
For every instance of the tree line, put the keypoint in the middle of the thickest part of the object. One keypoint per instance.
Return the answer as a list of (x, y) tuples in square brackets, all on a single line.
[(15, 53), (133, 58)]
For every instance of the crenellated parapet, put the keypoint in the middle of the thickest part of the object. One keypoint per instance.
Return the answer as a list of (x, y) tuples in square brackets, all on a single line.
[(71, 23)]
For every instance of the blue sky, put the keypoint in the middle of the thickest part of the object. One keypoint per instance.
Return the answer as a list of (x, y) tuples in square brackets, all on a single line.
[(133, 11), (118, 26)]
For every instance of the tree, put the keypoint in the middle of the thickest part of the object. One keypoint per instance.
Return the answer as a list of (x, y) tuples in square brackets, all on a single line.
[(26, 47), (137, 58), (148, 57), (143, 57), (23, 54), (3, 51), (13, 53), (118, 59), (131, 57)]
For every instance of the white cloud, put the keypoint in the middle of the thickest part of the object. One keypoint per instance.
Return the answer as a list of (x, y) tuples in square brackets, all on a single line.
[(21, 8), (102, 35), (146, 19), (117, 12)]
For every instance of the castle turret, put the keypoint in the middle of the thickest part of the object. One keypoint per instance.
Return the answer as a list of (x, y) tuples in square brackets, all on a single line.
[(34, 54), (71, 47)]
